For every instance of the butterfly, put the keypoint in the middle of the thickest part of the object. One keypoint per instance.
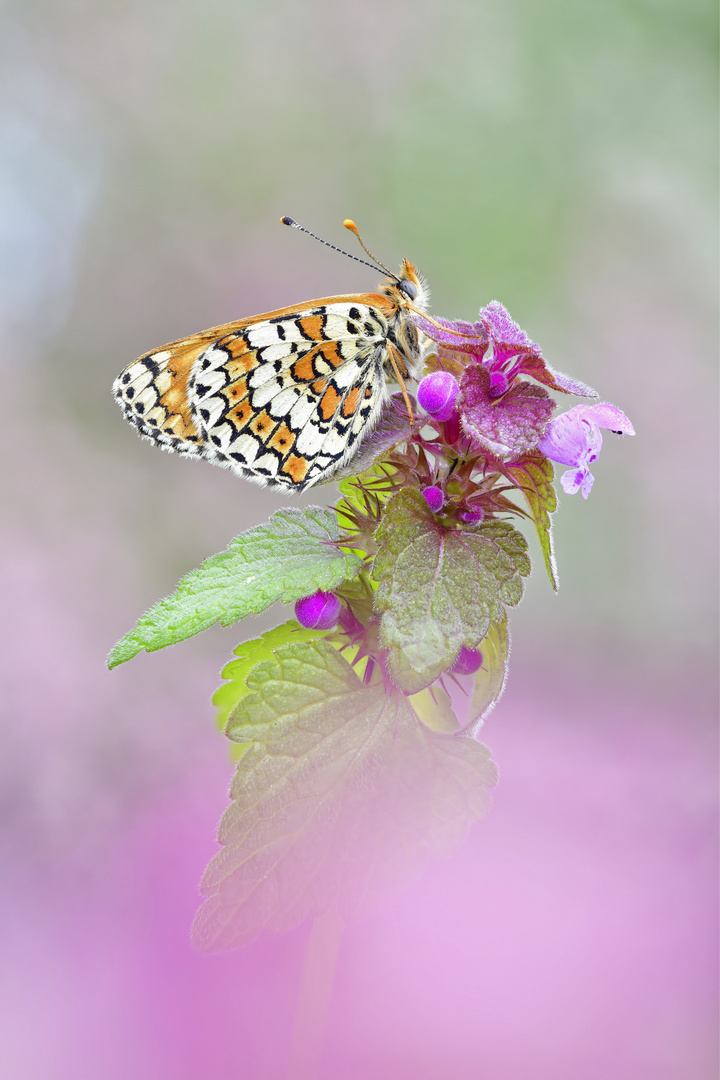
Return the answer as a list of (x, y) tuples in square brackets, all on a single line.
[(284, 398)]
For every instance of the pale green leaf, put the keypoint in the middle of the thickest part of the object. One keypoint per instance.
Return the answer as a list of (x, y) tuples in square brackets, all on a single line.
[(248, 654), (289, 557), (340, 795)]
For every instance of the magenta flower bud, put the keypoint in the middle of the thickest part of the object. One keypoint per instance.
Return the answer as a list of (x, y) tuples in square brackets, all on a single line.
[(498, 383), (473, 516), (468, 661), (319, 611), (434, 497), (437, 394)]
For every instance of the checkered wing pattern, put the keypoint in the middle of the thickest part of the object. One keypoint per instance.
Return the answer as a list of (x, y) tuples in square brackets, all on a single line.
[(282, 399)]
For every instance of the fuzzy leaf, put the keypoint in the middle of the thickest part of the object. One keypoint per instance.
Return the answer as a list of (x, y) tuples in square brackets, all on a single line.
[(490, 678), (285, 559), (440, 588), (248, 654), (340, 796), (534, 475)]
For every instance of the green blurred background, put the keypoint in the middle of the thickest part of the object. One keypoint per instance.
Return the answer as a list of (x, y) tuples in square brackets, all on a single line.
[(559, 156), (555, 156)]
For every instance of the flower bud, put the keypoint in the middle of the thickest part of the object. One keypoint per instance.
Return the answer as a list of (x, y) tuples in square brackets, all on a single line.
[(472, 517), (498, 384), (437, 394), (468, 661), (319, 611), (434, 497)]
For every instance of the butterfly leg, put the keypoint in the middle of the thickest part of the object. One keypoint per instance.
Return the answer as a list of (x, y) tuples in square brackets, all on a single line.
[(392, 352)]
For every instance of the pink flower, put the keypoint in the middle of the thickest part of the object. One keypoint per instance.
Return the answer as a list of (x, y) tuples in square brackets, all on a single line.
[(574, 438), (500, 346)]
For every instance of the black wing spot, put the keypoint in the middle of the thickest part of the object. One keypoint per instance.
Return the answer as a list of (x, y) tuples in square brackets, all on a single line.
[(130, 392), (354, 313), (281, 331), (126, 378), (140, 407), (205, 413)]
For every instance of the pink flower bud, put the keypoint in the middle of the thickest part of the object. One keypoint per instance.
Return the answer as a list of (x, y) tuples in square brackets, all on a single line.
[(473, 516), (437, 394), (468, 661), (319, 611), (434, 497)]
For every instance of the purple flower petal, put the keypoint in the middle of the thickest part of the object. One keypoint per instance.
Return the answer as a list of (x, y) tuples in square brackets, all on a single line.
[(574, 438), (508, 425), (577, 480), (605, 415)]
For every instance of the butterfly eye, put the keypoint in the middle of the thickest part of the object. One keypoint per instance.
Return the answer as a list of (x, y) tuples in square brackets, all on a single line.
[(408, 288)]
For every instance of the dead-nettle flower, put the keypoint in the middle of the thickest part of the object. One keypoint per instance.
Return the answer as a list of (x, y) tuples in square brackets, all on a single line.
[(504, 413), (575, 439)]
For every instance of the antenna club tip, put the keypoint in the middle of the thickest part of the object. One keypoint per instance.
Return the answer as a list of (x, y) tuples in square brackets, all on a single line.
[(350, 224), (288, 220)]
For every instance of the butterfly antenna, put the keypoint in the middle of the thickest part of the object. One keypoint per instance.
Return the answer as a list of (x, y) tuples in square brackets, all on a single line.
[(350, 224), (294, 225)]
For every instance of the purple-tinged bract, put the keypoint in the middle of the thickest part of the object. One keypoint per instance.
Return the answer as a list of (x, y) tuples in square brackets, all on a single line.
[(505, 424)]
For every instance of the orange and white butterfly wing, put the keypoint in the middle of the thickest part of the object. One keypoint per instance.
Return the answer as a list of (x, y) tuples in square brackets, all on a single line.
[(152, 391), (286, 399)]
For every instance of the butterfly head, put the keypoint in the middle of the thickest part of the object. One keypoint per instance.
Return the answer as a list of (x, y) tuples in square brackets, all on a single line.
[(409, 287)]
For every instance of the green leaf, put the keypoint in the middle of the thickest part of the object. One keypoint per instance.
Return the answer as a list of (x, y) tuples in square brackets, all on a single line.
[(490, 678), (340, 796), (290, 557), (533, 475), (250, 653), (440, 588)]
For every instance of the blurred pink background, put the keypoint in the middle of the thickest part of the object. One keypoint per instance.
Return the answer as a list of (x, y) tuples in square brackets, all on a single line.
[(557, 157)]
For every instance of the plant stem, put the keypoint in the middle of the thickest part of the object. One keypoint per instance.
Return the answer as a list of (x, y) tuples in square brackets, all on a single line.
[(314, 996)]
